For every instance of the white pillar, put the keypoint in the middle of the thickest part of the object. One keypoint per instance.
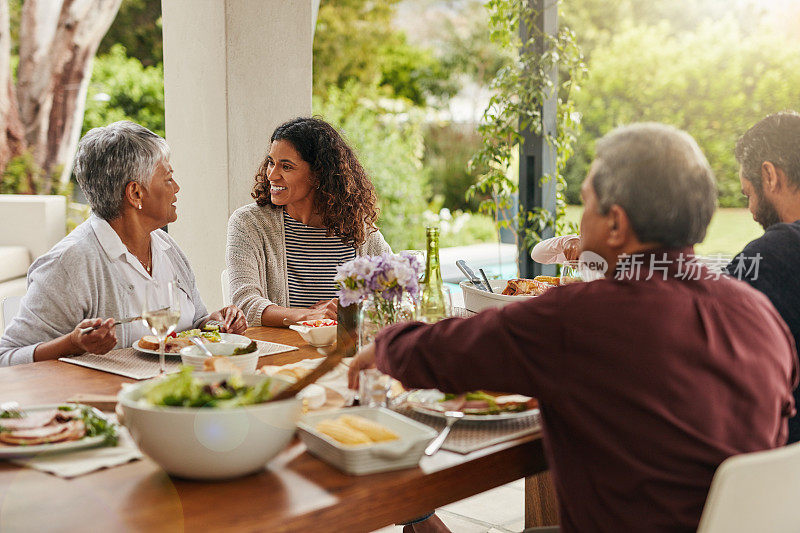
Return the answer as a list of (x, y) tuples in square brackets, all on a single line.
[(233, 71)]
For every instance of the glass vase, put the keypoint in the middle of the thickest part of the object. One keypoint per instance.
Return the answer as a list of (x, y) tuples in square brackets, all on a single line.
[(376, 312)]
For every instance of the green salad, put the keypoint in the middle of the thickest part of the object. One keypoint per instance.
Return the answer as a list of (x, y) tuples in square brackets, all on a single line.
[(186, 390), (209, 332), (96, 425)]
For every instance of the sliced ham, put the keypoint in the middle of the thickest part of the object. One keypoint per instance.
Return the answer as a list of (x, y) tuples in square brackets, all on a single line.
[(52, 433), (35, 433), (475, 405), (456, 404), (31, 421), (64, 416)]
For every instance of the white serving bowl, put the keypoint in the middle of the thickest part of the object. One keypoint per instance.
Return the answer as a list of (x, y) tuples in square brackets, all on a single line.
[(316, 336), (206, 442), (195, 357), (404, 452), (476, 300)]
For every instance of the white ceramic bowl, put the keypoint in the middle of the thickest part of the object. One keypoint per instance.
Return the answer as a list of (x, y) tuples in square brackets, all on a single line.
[(209, 443), (194, 356), (404, 452), (477, 300), (316, 336)]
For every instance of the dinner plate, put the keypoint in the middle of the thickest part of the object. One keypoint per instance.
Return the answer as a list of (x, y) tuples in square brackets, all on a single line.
[(8, 451), (224, 337), (426, 401)]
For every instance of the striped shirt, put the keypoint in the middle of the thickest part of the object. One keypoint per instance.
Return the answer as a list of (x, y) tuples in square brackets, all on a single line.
[(311, 261)]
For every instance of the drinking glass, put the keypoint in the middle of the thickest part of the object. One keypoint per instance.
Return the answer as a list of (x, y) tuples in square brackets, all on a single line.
[(570, 273), (373, 388), (161, 314)]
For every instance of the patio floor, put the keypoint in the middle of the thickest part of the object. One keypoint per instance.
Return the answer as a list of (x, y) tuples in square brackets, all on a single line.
[(500, 510)]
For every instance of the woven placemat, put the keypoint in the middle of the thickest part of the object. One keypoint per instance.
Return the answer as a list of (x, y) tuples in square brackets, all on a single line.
[(467, 436), (133, 364)]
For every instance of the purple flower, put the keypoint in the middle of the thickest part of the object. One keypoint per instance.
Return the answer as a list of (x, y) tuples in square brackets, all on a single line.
[(387, 276)]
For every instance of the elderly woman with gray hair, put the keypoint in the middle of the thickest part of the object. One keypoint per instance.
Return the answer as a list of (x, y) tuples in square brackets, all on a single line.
[(102, 268)]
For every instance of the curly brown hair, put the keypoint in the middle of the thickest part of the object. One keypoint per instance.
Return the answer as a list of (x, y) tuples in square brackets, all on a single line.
[(344, 196)]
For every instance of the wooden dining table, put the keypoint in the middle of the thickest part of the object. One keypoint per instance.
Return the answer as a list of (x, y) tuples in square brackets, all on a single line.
[(295, 492)]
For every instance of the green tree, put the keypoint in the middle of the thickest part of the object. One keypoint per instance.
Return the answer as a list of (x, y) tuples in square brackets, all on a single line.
[(389, 145), (122, 89), (448, 149), (714, 82), (597, 22), (355, 42), (137, 28)]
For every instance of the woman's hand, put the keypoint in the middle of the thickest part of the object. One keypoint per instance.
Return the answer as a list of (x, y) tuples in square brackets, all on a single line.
[(100, 340), (275, 315), (326, 307), (572, 249), (318, 311), (231, 318)]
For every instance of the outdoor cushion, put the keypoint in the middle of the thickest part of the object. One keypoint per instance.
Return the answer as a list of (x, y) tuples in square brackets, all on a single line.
[(14, 262)]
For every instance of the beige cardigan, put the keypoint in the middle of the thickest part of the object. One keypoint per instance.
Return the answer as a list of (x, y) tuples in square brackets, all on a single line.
[(256, 259)]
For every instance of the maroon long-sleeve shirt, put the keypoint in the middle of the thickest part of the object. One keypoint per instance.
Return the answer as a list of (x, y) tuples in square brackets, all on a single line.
[(645, 386)]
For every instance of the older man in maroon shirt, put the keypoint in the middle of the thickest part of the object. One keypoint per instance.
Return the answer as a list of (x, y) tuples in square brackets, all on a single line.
[(647, 379)]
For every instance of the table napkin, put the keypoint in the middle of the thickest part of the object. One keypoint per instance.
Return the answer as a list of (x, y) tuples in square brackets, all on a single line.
[(80, 462)]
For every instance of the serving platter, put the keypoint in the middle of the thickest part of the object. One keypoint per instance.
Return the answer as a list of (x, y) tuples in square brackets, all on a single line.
[(224, 337), (428, 402), (8, 451)]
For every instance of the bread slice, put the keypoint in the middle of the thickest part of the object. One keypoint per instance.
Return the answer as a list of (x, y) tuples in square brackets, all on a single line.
[(149, 342), (173, 344), (220, 364)]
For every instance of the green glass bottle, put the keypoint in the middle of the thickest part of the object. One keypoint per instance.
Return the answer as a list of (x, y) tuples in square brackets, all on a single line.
[(433, 304)]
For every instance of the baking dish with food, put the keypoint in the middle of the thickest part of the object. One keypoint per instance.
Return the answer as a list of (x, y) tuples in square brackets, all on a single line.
[(477, 300), (403, 452)]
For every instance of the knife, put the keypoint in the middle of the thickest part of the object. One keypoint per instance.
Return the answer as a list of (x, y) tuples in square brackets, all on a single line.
[(462, 266)]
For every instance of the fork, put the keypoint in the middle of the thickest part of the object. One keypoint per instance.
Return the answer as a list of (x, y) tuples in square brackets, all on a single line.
[(118, 321), (200, 344), (452, 417)]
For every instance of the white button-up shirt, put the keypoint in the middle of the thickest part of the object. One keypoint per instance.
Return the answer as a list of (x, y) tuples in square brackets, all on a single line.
[(132, 271)]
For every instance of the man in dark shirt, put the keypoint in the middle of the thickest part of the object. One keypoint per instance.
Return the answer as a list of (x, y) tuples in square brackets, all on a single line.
[(769, 159), (647, 379)]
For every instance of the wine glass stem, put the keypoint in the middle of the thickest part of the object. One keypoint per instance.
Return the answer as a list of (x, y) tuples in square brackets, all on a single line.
[(161, 369)]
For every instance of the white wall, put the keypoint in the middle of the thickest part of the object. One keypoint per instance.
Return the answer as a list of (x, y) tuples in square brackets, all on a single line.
[(233, 71)]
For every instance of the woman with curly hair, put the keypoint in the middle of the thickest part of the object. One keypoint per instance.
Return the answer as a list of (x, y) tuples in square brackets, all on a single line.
[(315, 208)]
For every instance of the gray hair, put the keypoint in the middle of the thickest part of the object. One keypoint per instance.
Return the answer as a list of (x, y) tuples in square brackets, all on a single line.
[(662, 180), (110, 157)]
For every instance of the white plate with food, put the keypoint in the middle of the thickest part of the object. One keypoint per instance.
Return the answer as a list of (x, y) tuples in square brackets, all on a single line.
[(174, 345), (53, 428), (478, 406)]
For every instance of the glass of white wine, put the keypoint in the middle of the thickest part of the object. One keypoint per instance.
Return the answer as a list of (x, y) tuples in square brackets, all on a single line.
[(161, 314)]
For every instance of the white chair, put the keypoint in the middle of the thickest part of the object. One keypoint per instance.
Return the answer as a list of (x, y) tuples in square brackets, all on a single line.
[(755, 492), (10, 309), (225, 281)]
